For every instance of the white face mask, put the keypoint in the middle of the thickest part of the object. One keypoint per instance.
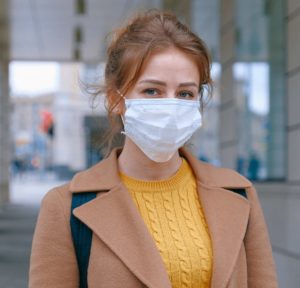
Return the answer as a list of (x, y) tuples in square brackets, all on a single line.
[(160, 126)]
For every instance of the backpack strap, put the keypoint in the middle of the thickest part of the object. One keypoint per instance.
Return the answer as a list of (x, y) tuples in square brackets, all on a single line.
[(82, 236), (240, 191)]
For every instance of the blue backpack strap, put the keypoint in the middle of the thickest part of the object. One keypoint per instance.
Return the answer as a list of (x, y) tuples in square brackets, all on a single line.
[(82, 236)]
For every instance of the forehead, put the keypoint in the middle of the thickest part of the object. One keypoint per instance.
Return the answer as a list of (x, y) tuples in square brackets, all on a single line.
[(170, 64)]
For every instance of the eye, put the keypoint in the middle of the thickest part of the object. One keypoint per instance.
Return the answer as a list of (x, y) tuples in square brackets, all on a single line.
[(186, 94), (151, 92)]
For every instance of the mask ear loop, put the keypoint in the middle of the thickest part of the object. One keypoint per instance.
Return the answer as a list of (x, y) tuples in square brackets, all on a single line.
[(122, 118)]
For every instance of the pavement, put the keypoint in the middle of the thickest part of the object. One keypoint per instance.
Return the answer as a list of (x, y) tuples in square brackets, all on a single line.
[(17, 222)]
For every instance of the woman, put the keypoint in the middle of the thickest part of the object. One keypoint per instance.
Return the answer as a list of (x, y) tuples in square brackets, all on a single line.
[(161, 217)]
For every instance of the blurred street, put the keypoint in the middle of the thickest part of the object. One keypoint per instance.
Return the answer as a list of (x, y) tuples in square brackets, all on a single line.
[(29, 188), (17, 221)]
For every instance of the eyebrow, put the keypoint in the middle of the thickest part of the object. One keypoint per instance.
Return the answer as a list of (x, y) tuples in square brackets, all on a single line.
[(161, 83)]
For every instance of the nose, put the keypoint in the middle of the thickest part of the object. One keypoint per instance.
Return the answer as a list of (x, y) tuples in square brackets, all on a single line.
[(170, 94)]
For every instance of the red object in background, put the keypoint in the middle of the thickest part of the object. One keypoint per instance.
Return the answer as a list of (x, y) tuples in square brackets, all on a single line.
[(35, 162), (47, 124)]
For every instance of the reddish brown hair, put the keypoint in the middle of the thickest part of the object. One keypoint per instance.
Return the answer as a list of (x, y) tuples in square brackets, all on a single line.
[(131, 46)]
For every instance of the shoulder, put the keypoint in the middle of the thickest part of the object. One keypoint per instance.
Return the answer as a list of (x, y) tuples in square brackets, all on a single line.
[(227, 179), (215, 176), (58, 199), (60, 192), (223, 177)]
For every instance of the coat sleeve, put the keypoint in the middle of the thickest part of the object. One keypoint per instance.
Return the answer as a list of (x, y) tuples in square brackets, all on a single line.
[(260, 263), (53, 261)]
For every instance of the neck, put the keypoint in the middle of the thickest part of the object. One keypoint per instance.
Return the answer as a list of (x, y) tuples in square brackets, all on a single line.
[(134, 163)]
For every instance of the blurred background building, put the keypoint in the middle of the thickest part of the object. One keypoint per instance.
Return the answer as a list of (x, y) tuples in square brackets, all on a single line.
[(49, 129)]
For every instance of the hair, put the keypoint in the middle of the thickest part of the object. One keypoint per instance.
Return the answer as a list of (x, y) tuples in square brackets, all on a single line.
[(132, 45)]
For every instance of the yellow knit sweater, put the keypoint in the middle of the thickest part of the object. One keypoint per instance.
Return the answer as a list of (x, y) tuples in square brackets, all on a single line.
[(175, 219)]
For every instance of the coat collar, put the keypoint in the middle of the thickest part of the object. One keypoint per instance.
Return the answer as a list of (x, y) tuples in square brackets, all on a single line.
[(104, 175), (226, 215)]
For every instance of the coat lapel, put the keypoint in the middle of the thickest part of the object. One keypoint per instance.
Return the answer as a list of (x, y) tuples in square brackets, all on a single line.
[(226, 214), (117, 222), (115, 219)]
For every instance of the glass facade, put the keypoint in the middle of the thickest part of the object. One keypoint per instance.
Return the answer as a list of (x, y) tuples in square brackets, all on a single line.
[(258, 75), (260, 89)]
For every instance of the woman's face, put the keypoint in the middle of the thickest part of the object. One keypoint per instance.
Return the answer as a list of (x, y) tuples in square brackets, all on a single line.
[(168, 74)]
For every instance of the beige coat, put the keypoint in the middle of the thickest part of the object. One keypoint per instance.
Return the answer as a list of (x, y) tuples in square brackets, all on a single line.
[(123, 253)]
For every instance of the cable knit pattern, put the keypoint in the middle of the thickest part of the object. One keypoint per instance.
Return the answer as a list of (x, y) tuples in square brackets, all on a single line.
[(182, 256), (173, 214)]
